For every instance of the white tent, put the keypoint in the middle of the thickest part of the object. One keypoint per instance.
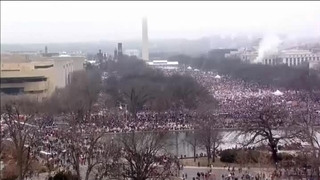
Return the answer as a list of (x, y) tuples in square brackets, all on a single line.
[(189, 68), (217, 77), (277, 93)]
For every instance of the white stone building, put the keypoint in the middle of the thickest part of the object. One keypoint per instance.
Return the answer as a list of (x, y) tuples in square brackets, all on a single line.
[(292, 58), (164, 64)]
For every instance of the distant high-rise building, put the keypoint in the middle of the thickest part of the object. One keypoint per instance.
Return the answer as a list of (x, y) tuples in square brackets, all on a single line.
[(119, 49), (46, 50), (145, 43), (115, 56), (100, 56), (105, 56)]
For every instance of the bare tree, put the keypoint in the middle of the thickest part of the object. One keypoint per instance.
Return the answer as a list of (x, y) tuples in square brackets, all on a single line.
[(82, 147), (268, 123), (193, 141), (145, 156), (92, 144), (206, 122), (308, 119), (136, 92), (76, 102), (87, 85), (187, 93), (209, 136), (20, 117), (109, 159)]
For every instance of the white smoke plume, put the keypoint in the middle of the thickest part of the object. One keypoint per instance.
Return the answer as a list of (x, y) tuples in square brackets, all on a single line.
[(269, 45)]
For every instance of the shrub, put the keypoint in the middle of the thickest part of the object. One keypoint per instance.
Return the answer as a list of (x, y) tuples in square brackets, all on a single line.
[(65, 176), (253, 156), (249, 156), (285, 157), (10, 178), (228, 156)]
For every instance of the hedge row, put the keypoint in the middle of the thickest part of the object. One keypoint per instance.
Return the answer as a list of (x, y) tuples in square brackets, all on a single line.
[(250, 156)]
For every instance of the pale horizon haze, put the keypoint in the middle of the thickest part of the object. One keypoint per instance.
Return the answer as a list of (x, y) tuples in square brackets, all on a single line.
[(86, 21)]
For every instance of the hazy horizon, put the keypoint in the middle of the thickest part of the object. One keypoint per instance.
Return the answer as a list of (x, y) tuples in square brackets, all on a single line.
[(80, 22)]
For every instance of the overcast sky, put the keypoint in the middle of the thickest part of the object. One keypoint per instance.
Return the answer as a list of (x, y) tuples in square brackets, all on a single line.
[(47, 22)]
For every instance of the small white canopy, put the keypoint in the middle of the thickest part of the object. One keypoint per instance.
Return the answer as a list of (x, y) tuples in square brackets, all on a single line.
[(45, 153), (277, 93), (189, 67), (217, 77), (196, 70)]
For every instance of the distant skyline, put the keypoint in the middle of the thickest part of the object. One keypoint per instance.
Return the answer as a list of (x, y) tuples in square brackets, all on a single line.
[(58, 22)]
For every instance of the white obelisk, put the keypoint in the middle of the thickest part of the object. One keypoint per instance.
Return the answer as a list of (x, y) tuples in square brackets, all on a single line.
[(145, 43)]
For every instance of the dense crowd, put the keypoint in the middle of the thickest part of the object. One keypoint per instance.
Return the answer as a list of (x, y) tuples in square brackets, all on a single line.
[(237, 97), (234, 97)]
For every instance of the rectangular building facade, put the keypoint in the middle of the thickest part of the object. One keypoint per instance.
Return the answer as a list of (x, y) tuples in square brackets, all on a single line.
[(292, 58), (38, 76), (34, 78)]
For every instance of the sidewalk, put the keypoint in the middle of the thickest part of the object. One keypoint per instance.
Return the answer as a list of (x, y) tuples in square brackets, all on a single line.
[(201, 167), (219, 168)]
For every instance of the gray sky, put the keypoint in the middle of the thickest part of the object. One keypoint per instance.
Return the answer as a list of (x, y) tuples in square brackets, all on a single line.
[(48, 22)]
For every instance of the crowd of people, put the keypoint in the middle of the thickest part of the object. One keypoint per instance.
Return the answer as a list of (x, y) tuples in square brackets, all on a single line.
[(227, 174), (234, 97), (237, 97), (232, 173)]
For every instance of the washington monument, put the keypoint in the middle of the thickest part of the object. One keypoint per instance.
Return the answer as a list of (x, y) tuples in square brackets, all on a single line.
[(145, 43)]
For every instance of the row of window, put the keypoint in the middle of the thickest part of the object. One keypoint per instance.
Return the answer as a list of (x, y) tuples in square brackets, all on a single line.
[(9, 70), (37, 92), (304, 59), (293, 61), (12, 91), (304, 55), (21, 80), (43, 67), (19, 90), (67, 65)]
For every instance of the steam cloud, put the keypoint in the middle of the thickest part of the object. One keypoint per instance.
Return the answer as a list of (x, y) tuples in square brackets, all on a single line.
[(269, 45)]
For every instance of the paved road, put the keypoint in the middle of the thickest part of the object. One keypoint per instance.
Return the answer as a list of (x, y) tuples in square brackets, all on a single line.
[(217, 171)]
